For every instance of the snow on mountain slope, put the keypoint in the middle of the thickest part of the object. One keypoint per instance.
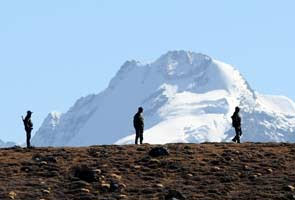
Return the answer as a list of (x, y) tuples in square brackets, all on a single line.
[(278, 104), (46, 132), (187, 97)]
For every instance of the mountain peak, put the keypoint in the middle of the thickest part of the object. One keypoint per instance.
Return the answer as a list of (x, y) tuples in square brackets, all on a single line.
[(187, 97), (54, 118), (184, 55), (178, 64)]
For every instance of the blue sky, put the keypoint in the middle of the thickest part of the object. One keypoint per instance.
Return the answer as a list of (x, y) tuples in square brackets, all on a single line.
[(53, 52)]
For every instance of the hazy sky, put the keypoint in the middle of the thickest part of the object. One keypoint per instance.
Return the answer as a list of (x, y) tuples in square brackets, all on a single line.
[(53, 52)]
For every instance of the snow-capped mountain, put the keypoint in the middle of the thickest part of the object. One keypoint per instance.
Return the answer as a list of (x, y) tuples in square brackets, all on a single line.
[(187, 97)]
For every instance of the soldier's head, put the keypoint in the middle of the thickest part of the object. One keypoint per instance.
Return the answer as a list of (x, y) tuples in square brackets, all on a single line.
[(29, 112), (140, 109), (237, 109)]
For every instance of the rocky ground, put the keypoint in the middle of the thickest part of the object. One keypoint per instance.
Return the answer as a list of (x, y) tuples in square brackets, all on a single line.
[(186, 171)]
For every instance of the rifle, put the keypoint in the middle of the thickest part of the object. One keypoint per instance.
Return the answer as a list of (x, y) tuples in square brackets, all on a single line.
[(24, 121)]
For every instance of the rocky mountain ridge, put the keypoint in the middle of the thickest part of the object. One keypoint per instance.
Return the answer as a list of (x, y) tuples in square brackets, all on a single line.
[(161, 172)]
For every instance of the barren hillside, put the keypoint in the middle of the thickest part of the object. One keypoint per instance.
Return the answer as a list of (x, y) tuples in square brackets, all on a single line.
[(190, 171)]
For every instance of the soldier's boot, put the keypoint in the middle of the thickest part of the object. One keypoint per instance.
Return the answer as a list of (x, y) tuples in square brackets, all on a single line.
[(234, 139), (136, 139), (141, 139), (238, 140), (28, 142)]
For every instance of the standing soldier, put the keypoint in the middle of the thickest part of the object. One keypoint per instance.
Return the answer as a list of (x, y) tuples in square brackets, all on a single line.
[(28, 127), (138, 123), (236, 123)]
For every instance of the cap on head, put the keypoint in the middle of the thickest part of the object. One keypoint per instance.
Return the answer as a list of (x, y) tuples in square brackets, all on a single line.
[(237, 109), (29, 112), (140, 109)]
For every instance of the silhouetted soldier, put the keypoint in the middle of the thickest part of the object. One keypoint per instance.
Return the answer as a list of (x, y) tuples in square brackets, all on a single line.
[(28, 127), (236, 122), (138, 123)]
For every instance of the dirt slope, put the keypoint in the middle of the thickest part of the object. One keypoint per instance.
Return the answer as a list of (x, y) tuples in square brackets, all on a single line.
[(190, 171)]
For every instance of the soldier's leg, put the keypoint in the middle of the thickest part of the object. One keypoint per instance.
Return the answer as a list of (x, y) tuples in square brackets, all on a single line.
[(236, 138), (136, 135), (238, 134), (141, 136), (240, 130), (27, 137)]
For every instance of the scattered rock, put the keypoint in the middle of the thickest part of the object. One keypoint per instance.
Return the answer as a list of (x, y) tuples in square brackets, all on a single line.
[(93, 152), (105, 186), (115, 176), (26, 168), (50, 159), (97, 171), (46, 191), (159, 185), (122, 185), (114, 187), (154, 161), (76, 185), (186, 147), (51, 174), (123, 196), (269, 170), (258, 174), (253, 177), (246, 167), (40, 158), (84, 173), (84, 196), (215, 169), (174, 165), (226, 179), (12, 195), (140, 149), (158, 151), (36, 157), (290, 196), (85, 190), (289, 188), (215, 162), (174, 195), (43, 163)]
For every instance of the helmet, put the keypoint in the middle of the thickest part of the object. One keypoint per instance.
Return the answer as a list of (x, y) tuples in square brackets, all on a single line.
[(140, 109)]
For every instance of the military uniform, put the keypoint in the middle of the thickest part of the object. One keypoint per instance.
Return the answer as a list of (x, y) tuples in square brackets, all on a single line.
[(138, 123), (236, 123), (28, 127)]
